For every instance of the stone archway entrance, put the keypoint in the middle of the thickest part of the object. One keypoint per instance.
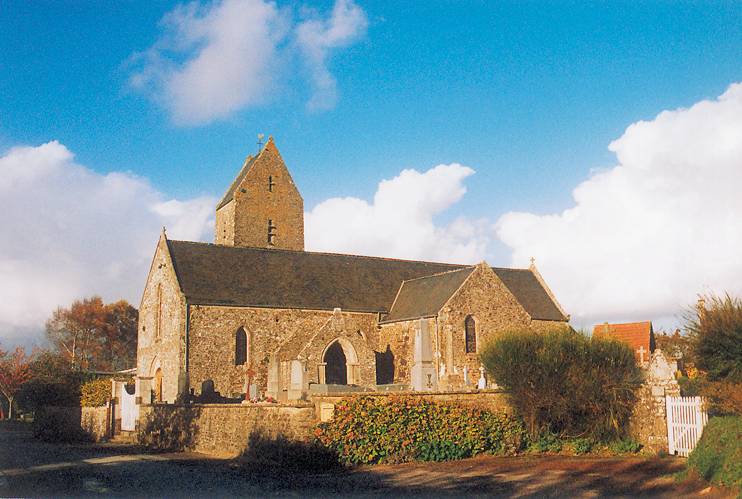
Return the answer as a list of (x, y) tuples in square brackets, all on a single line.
[(339, 364), (336, 366)]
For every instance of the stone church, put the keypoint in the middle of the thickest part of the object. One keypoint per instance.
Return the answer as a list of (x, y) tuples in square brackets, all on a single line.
[(256, 301)]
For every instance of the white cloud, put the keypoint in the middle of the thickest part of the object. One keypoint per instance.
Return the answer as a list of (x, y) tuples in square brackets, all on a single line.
[(69, 233), (646, 237), (214, 59), (400, 222), (316, 38)]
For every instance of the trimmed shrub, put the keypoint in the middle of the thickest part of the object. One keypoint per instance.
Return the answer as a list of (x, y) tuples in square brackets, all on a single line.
[(95, 393), (717, 457), (567, 383), (403, 428)]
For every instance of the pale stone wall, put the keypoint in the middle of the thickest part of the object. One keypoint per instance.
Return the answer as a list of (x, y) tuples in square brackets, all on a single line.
[(160, 341), (225, 428), (303, 334), (649, 420)]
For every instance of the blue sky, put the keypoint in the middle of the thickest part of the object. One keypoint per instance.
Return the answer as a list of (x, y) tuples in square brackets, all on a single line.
[(540, 115)]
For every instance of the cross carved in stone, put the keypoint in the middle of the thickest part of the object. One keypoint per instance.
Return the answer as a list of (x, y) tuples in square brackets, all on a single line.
[(641, 351)]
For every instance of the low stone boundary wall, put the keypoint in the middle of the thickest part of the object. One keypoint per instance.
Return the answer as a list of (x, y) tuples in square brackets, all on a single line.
[(72, 423), (222, 428)]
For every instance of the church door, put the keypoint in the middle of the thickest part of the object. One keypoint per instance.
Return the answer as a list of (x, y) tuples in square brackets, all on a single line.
[(336, 369)]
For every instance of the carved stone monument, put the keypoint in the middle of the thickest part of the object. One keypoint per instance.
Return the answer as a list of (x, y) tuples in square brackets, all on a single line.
[(424, 373)]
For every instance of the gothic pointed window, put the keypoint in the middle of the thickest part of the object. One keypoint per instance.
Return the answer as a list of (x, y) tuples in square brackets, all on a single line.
[(240, 347), (471, 334)]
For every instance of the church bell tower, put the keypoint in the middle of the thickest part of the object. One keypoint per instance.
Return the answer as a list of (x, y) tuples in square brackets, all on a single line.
[(263, 207)]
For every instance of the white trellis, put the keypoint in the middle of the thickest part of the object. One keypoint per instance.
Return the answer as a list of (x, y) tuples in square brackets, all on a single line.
[(685, 422)]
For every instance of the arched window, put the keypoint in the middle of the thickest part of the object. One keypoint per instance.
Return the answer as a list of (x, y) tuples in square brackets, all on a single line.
[(471, 334), (240, 347)]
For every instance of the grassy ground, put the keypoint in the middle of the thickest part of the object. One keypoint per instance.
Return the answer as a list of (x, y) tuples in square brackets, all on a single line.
[(717, 457)]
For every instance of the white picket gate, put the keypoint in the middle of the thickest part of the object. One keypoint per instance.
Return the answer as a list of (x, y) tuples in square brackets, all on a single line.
[(685, 422)]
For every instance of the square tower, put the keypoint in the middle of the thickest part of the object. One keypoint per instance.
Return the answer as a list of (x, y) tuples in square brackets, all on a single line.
[(263, 207)]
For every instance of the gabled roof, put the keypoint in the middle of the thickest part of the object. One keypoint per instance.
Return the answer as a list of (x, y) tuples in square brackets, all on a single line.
[(425, 296), (637, 334), (258, 277), (531, 294)]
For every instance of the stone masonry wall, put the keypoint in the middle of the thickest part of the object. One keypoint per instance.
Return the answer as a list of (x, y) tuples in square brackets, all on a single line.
[(400, 338), (160, 341), (224, 224), (225, 428), (267, 196), (73, 422), (488, 301), (494, 309), (291, 333), (649, 420)]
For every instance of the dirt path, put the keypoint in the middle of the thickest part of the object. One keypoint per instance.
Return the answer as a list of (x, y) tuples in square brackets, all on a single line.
[(32, 469)]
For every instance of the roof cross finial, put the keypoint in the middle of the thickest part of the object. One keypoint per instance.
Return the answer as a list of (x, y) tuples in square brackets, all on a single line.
[(260, 143), (532, 260)]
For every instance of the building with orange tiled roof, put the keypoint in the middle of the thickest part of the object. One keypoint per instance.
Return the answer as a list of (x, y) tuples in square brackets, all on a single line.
[(639, 335)]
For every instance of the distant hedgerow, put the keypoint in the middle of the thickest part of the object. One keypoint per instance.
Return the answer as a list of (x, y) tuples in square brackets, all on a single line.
[(402, 428)]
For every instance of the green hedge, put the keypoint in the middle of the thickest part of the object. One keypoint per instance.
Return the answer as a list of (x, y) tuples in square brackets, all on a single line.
[(718, 454), (402, 428)]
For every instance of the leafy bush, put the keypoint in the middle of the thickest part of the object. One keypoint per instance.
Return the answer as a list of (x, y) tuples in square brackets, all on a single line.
[(95, 393), (723, 398), (626, 446), (718, 454), (581, 446), (565, 382), (714, 326), (547, 442), (437, 451), (401, 428)]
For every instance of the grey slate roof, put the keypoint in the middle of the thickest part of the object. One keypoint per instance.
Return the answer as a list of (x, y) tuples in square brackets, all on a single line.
[(258, 277), (213, 274), (425, 296), (532, 296)]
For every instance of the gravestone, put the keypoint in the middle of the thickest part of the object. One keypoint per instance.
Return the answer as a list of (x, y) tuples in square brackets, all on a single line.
[(253, 392), (275, 388), (424, 375), (299, 384), (482, 381)]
